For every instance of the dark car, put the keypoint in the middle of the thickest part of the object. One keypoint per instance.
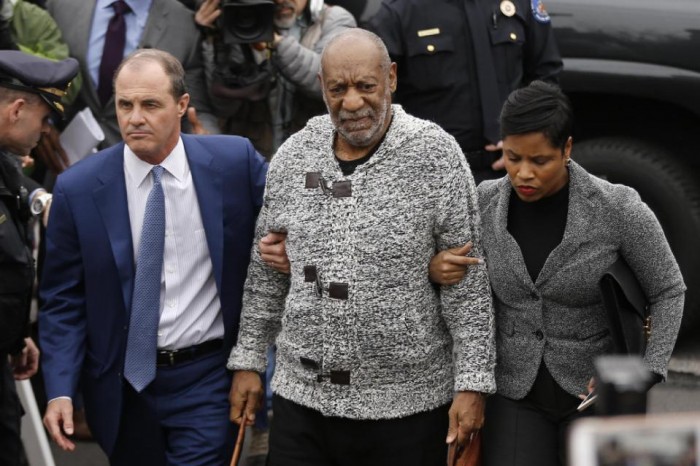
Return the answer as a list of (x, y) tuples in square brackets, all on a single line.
[(632, 70)]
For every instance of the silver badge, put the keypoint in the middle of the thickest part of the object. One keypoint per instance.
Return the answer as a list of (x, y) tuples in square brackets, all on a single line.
[(507, 8)]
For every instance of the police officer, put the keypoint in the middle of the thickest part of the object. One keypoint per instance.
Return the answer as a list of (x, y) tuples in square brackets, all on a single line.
[(30, 90), (459, 59)]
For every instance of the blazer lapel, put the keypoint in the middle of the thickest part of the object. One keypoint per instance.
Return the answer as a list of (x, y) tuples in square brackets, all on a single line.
[(578, 223), (208, 185), (111, 202), (155, 25), (84, 10), (501, 241)]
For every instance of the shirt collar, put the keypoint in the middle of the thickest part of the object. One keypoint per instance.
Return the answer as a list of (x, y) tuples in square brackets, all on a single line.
[(139, 7), (175, 164)]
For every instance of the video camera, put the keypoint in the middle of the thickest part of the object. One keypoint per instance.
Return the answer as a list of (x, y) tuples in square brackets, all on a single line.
[(248, 21)]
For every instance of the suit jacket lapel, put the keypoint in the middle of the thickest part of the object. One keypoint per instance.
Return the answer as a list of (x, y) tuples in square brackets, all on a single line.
[(111, 202), (155, 25), (578, 223), (505, 239), (502, 242), (208, 185), (83, 25)]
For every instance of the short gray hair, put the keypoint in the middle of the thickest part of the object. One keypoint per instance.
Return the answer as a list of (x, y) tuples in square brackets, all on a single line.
[(357, 33)]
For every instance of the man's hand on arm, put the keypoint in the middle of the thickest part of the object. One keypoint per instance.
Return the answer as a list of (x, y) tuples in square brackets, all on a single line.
[(245, 397), (466, 416), (448, 267), (273, 251), (58, 420)]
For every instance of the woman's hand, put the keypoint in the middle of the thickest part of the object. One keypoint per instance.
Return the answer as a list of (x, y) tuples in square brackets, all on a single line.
[(449, 267)]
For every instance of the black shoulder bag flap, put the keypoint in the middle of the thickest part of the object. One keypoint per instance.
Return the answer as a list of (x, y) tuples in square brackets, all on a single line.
[(627, 309)]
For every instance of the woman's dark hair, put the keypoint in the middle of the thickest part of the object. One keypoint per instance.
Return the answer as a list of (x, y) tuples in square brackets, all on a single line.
[(538, 108)]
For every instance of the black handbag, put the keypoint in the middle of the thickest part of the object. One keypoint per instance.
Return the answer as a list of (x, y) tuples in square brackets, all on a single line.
[(627, 309)]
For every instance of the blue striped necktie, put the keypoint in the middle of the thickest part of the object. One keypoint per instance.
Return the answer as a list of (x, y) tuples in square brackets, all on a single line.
[(142, 341)]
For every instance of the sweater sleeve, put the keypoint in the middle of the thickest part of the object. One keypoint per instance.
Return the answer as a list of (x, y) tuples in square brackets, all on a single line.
[(265, 289), (466, 307), (646, 250)]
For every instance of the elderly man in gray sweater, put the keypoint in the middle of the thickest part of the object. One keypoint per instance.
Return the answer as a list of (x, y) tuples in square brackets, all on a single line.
[(373, 362)]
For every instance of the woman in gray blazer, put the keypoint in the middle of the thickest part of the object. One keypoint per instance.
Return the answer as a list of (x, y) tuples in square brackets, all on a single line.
[(550, 230)]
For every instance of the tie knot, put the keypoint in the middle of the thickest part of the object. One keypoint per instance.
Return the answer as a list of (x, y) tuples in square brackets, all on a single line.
[(157, 173), (120, 7)]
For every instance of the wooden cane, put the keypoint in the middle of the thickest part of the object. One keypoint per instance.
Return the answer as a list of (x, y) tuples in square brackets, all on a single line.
[(239, 442)]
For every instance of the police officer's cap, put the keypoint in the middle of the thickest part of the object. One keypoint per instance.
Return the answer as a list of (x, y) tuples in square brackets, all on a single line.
[(46, 78)]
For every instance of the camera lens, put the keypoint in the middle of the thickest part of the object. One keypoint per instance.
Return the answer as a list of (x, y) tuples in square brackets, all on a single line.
[(246, 23), (249, 22)]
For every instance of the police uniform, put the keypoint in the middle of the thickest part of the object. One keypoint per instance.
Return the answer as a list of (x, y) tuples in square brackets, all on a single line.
[(47, 79), (454, 56)]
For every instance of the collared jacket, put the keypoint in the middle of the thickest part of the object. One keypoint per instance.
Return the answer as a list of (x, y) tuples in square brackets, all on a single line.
[(360, 330), (434, 47), (560, 318), (16, 262)]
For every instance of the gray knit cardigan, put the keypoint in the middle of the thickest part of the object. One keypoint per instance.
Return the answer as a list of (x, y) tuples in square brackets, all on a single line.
[(405, 345)]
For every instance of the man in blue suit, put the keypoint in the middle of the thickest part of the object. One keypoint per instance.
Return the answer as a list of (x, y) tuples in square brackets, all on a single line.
[(147, 250)]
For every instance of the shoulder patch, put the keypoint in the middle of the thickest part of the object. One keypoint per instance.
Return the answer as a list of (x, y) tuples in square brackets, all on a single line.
[(538, 11)]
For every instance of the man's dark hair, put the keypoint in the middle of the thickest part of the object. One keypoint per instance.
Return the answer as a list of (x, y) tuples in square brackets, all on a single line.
[(171, 65), (538, 108)]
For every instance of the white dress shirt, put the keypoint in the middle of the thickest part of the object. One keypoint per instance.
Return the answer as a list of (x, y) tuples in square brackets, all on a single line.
[(190, 310)]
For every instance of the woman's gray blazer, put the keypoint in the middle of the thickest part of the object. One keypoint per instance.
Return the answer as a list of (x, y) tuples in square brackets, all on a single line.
[(560, 317)]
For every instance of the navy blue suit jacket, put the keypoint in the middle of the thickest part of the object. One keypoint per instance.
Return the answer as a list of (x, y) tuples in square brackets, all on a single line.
[(88, 275)]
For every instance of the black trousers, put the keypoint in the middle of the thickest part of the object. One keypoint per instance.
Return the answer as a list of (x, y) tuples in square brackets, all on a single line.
[(11, 452), (300, 436), (531, 431)]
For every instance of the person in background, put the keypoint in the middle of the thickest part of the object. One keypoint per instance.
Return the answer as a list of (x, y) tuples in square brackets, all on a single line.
[(34, 31), (459, 59), (267, 91), (147, 249), (100, 33), (374, 365), (550, 231), (30, 89)]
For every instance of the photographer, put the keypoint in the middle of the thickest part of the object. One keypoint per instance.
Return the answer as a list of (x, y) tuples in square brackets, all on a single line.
[(263, 66)]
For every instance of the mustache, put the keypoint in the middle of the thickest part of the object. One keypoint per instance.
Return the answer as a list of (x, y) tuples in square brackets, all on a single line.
[(345, 115)]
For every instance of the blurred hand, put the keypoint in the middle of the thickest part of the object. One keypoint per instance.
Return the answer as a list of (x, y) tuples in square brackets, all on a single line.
[(273, 251), (45, 214), (58, 420), (499, 164), (245, 397), (207, 13), (466, 416), (197, 127), (51, 152), (26, 363), (590, 388), (27, 161), (448, 267)]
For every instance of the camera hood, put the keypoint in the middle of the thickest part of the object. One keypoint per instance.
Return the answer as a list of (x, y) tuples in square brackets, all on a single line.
[(248, 21)]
